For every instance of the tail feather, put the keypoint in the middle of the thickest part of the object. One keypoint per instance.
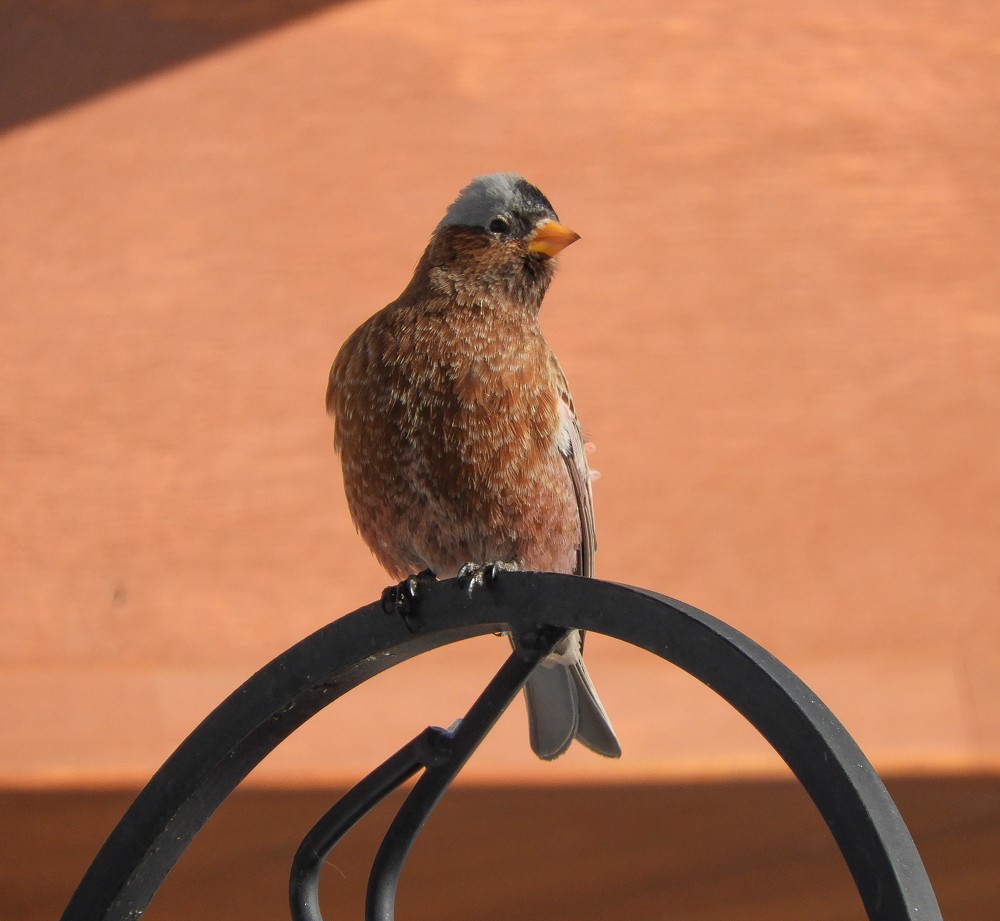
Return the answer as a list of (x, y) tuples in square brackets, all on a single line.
[(553, 713), (563, 705), (593, 726)]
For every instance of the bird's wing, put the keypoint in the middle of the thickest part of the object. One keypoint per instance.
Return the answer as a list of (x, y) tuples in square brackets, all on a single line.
[(571, 447)]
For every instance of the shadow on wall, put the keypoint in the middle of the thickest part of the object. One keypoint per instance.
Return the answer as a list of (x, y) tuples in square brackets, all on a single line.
[(57, 53), (757, 851)]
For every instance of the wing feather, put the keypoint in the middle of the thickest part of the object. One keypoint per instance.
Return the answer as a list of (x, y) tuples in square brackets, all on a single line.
[(572, 448)]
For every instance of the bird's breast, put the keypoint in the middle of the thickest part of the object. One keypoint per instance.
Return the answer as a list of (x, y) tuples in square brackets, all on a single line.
[(449, 431), (483, 401)]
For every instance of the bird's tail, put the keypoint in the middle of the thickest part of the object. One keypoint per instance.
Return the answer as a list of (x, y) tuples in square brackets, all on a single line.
[(563, 705)]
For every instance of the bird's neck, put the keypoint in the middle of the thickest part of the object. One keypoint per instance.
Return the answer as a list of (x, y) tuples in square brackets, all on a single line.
[(480, 279)]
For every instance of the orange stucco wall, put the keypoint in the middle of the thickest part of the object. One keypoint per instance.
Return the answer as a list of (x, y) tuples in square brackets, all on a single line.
[(781, 325)]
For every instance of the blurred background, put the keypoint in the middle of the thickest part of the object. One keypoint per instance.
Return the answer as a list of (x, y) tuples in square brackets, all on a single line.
[(782, 330)]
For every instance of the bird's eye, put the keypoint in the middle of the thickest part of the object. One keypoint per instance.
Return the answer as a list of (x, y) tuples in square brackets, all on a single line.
[(499, 225)]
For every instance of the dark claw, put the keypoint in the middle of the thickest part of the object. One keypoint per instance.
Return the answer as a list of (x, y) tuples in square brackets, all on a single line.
[(403, 599), (473, 575)]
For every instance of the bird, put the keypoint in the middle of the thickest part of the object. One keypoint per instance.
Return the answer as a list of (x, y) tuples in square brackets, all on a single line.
[(458, 437)]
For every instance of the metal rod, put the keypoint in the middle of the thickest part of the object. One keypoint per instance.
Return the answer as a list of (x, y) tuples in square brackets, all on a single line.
[(303, 883), (383, 882)]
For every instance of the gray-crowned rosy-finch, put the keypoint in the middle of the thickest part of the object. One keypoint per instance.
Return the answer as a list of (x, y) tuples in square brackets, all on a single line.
[(457, 433)]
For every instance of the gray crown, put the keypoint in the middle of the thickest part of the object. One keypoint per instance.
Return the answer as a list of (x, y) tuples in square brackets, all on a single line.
[(497, 193)]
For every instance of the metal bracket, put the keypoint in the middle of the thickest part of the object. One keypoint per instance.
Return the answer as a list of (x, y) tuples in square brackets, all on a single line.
[(238, 734)]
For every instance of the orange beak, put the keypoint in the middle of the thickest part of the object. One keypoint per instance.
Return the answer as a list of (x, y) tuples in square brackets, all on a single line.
[(550, 237)]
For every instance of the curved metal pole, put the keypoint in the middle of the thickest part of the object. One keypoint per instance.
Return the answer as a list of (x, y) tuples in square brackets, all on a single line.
[(442, 753), (194, 781), (303, 883), (380, 901)]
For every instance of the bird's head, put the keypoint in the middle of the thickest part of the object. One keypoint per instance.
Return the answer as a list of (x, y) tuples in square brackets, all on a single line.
[(499, 235), (505, 210)]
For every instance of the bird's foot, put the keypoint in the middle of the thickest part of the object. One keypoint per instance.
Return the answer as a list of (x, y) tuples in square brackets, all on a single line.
[(478, 575), (402, 599)]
